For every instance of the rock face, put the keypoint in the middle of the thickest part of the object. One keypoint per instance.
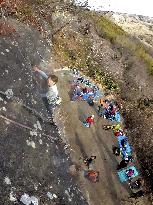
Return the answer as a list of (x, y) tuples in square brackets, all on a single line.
[(138, 26), (32, 161)]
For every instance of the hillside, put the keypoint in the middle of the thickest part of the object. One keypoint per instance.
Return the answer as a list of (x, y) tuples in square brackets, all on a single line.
[(58, 34), (138, 26)]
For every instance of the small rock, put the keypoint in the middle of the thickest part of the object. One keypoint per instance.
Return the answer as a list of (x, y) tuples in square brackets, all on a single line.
[(12, 197), (34, 200), (40, 141), (7, 180), (55, 196), (31, 143), (38, 125), (25, 199), (33, 133), (3, 108), (50, 195), (9, 93), (73, 170)]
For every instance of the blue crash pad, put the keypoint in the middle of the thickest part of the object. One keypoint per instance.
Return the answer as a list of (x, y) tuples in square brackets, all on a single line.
[(127, 150), (117, 117), (87, 95), (122, 174)]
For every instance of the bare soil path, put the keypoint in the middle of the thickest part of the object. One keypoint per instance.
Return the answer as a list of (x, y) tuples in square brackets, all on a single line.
[(91, 141)]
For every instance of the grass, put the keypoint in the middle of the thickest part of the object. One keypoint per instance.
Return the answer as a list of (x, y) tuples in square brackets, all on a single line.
[(99, 76), (109, 30), (75, 52), (41, 2)]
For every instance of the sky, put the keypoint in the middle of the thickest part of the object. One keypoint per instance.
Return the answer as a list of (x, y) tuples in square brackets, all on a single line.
[(139, 7)]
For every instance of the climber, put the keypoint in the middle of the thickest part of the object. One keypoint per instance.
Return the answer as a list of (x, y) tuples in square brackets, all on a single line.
[(48, 89)]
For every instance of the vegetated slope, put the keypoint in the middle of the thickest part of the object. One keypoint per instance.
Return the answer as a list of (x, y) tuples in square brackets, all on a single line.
[(107, 53), (104, 51), (138, 26)]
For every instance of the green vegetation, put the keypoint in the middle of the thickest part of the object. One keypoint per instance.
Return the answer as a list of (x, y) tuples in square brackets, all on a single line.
[(74, 50), (76, 54), (142, 53), (40, 2), (25, 10), (107, 29), (99, 76)]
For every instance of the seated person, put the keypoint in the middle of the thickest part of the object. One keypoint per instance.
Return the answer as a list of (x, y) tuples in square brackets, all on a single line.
[(103, 103), (90, 101), (125, 162), (116, 151), (101, 110), (123, 143), (89, 161), (85, 90), (136, 184), (77, 93), (81, 79), (129, 173), (93, 176), (119, 133)]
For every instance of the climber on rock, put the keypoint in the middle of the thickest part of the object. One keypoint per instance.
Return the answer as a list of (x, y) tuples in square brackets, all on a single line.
[(48, 88)]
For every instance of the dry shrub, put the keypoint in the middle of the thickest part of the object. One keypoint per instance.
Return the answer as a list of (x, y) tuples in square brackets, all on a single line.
[(6, 29)]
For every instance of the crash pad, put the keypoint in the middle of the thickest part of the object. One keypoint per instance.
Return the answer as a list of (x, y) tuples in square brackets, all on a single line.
[(122, 174)]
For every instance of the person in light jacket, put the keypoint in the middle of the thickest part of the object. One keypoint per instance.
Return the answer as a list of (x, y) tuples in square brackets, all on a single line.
[(48, 88)]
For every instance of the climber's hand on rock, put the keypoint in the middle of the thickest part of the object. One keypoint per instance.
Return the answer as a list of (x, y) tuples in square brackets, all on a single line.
[(35, 68)]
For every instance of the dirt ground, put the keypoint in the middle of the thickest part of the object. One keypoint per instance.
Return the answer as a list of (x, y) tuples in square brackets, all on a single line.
[(18, 53), (92, 141)]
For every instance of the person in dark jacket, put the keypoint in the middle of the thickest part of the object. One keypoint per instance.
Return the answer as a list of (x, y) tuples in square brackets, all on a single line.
[(89, 161), (124, 162)]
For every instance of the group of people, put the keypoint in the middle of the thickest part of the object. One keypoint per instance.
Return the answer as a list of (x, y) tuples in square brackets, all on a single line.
[(126, 170), (87, 91), (109, 110), (123, 149), (83, 89)]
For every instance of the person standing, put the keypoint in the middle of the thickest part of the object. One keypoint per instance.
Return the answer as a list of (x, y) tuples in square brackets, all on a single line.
[(89, 121)]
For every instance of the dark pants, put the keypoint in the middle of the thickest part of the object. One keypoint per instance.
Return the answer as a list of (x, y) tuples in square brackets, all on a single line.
[(48, 106), (123, 164)]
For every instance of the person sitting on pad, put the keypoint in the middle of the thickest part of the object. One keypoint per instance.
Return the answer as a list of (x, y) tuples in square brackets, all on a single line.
[(129, 173)]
